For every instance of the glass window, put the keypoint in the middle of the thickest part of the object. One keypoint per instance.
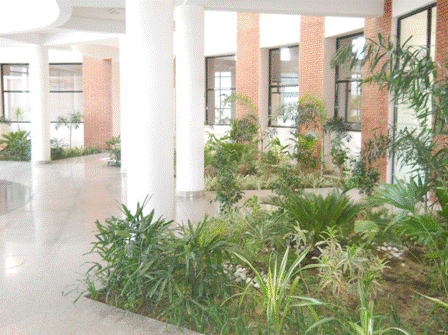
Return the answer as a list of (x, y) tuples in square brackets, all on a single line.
[(15, 89), (418, 29), (348, 83), (220, 83), (283, 83), (65, 91)]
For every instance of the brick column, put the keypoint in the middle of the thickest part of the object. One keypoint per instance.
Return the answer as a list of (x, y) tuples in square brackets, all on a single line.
[(311, 61), (311, 56), (375, 102), (442, 32), (247, 57), (98, 113)]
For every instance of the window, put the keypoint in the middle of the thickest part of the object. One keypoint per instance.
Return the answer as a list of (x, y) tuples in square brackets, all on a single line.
[(65, 91), (418, 29), (348, 83), (283, 83), (15, 89), (220, 83)]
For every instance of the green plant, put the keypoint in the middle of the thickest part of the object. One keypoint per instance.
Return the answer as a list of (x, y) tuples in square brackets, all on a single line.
[(309, 116), (72, 121), (132, 257), (277, 291), (317, 213), (308, 113), (18, 146), (245, 129), (113, 146), (337, 128), (4, 120), (201, 253), (304, 149), (225, 161), (402, 195), (365, 175), (57, 149)]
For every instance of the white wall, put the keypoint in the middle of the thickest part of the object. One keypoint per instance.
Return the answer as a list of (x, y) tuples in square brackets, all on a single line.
[(278, 30), (220, 33), (23, 55), (402, 7), (337, 26)]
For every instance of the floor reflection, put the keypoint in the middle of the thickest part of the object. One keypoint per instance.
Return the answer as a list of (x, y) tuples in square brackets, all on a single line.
[(195, 209), (13, 196)]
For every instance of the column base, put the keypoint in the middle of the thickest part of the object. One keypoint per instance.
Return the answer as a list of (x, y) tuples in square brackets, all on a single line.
[(41, 162), (190, 194)]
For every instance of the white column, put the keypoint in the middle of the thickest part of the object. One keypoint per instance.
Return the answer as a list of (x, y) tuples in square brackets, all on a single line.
[(123, 97), (190, 100), (40, 116), (150, 105)]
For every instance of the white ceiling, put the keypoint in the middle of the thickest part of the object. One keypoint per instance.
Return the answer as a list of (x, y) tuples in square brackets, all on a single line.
[(107, 17)]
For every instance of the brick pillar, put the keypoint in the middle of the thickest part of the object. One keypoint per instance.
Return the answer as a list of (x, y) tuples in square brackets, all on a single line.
[(98, 112), (247, 57), (442, 32), (311, 61), (311, 56), (375, 102)]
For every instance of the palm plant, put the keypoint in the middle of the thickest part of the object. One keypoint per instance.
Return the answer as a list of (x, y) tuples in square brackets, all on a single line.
[(316, 213)]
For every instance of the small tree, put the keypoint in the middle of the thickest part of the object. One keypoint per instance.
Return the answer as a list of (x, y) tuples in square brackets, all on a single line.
[(418, 82), (71, 121)]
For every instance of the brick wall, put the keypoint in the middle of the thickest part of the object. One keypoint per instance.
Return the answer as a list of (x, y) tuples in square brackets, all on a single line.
[(311, 55), (97, 87), (247, 57), (375, 102)]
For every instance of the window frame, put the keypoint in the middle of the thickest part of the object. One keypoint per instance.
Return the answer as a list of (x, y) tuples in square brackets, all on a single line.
[(3, 91), (270, 86), (207, 89), (353, 126)]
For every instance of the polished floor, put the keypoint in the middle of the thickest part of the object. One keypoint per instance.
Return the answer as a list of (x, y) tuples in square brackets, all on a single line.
[(47, 223)]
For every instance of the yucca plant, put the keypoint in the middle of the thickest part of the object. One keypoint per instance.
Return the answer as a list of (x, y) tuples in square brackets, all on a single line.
[(277, 291), (316, 213)]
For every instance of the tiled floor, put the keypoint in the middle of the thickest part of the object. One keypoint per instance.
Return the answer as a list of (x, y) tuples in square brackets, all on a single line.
[(47, 216)]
